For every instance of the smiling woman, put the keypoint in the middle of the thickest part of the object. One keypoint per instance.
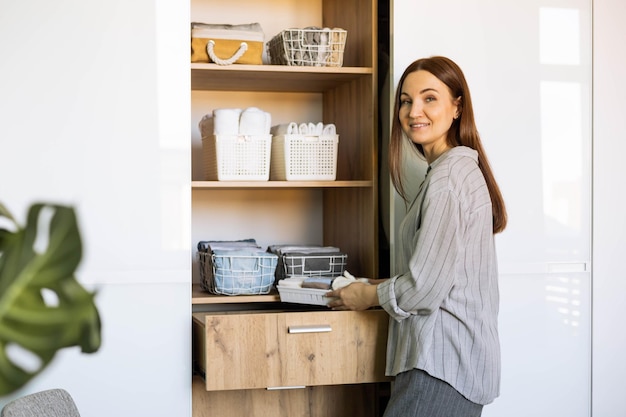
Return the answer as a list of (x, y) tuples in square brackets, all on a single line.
[(427, 111)]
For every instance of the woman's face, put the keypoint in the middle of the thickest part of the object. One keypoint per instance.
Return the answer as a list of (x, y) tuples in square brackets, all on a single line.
[(427, 110)]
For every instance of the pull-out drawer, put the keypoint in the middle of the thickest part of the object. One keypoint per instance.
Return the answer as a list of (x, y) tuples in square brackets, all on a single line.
[(289, 349)]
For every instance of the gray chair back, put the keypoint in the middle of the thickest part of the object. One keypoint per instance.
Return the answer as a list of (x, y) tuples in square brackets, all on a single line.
[(51, 403)]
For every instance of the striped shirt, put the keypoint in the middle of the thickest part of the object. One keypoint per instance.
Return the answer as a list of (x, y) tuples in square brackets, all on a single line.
[(444, 306)]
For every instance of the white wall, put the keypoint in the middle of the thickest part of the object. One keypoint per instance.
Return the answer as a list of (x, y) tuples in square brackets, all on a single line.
[(94, 112), (528, 64), (609, 227)]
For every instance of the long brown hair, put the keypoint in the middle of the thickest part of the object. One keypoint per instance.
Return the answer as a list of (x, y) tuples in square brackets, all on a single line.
[(462, 132)]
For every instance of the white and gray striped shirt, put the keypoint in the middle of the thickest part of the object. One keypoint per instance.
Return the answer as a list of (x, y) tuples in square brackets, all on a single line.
[(444, 307)]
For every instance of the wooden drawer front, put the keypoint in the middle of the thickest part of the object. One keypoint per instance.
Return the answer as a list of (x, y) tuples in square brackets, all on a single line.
[(269, 350)]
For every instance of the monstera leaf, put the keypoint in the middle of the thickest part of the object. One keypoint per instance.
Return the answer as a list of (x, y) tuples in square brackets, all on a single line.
[(43, 308)]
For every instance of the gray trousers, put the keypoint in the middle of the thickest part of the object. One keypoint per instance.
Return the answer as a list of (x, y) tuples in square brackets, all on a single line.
[(416, 394)]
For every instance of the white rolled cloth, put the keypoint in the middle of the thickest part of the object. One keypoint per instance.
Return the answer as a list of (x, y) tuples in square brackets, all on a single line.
[(285, 129), (226, 121), (329, 129), (254, 121), (303, 129)]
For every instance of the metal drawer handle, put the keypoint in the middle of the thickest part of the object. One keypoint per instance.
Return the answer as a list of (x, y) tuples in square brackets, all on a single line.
[(316, 328)]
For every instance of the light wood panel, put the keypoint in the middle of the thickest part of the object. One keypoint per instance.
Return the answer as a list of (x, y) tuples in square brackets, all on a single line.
[(323, 401), (257, 350), (272, 77), (280, 184)]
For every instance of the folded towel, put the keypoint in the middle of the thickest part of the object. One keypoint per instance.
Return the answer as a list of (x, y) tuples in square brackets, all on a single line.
[(303, 249), (226, 121), (208, 245), (254, 121), (303, 129), (321, 283), (291, 282)]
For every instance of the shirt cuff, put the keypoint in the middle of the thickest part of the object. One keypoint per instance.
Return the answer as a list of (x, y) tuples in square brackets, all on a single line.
[(388, 301)]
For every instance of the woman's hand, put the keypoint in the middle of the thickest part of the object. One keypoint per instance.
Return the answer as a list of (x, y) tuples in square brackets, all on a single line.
[(356, 296)]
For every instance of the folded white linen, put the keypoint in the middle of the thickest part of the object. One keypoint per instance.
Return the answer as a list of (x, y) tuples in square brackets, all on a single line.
[(291, 282), (303, 129), (226, 121)]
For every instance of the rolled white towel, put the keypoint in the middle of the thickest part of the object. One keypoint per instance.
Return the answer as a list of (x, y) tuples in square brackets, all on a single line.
[(226, 121), (319, 129), (329, 129), (303, 129), (254, 121), (312, 129), (285, 129)]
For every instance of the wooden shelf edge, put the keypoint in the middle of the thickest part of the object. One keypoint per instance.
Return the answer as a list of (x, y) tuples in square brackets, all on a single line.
[(201, 185), (281, 69), (198, 296), (273, 78)]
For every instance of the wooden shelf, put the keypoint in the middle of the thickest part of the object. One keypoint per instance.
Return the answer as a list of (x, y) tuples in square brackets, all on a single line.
[(199, 296), (208, 185), (276, 78)]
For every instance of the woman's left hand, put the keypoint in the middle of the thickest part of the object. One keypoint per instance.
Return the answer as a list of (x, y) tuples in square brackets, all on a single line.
[(356, 296)]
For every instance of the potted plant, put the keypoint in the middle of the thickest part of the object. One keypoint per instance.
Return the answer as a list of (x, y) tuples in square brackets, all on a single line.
[(43, 307)]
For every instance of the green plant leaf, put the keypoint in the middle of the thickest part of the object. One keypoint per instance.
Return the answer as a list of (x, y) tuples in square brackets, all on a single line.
[(43, 308)]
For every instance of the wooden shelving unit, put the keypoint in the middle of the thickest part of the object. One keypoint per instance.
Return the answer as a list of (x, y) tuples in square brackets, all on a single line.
[(350, 222)]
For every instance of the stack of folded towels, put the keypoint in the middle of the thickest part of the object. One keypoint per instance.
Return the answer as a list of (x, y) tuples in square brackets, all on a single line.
[(234, 122), (321, 283)]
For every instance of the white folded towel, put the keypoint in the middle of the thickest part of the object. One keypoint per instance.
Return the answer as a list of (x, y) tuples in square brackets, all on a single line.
[(303, 129), (226, 121), (254, 121)]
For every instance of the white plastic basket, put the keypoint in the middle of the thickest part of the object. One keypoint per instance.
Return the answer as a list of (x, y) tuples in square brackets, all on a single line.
[(237, 157), (311, 47), (304, 158), (303, 295)]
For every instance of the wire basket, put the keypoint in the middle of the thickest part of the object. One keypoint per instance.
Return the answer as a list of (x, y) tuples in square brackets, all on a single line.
[(237, 274), (310, 265), (309, 47)]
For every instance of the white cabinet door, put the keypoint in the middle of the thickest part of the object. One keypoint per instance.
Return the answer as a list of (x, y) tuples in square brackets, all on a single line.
[(528, 65)]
